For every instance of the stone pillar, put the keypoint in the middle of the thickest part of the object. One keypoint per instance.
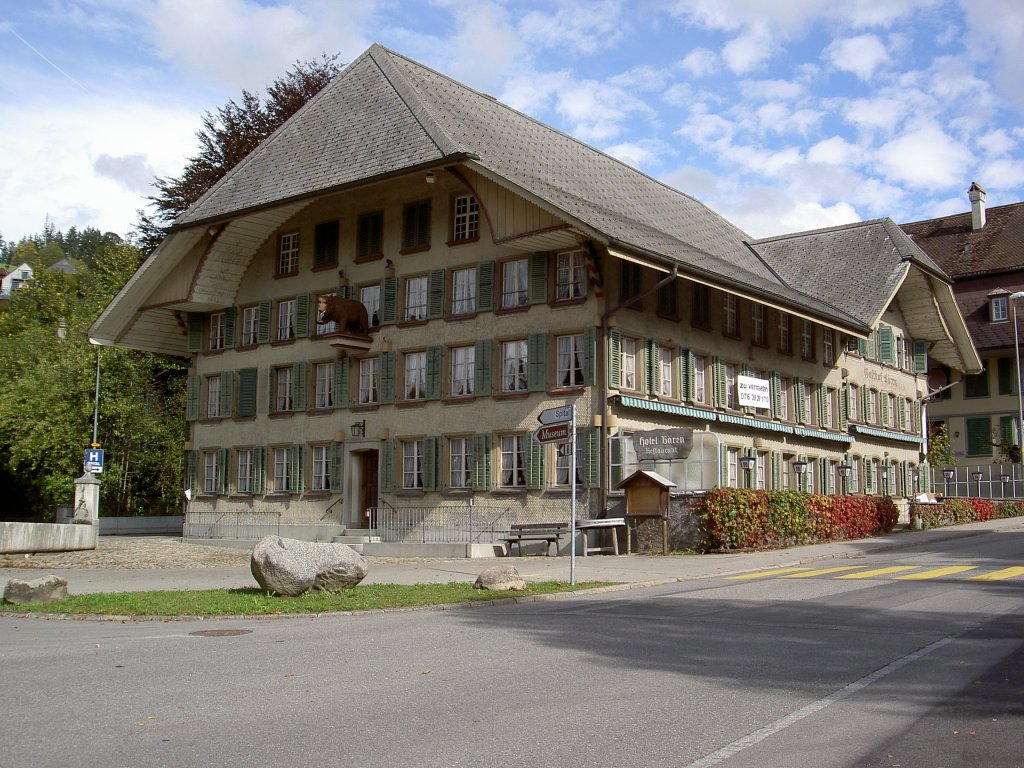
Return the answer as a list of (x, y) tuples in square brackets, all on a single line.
[(87, 500)]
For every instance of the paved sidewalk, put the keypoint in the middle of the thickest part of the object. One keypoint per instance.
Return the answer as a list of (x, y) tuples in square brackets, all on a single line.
[(168, 563)]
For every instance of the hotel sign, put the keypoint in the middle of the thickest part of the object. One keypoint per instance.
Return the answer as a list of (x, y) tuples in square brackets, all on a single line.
[(663, 444)]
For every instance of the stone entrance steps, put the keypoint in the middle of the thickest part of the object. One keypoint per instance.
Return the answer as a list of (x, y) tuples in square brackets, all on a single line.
[(356, 538)]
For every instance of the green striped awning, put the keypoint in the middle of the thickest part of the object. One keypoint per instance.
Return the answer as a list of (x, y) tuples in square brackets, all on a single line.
[(885, 434)]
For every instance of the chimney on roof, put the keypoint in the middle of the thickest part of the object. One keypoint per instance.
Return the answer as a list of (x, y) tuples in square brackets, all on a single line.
[(976, 194)]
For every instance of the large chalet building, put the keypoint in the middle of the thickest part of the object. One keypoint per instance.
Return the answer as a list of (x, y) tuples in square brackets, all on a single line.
[(506, 269)]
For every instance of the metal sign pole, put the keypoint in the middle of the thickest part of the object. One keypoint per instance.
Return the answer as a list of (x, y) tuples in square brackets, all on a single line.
[(572, 506)]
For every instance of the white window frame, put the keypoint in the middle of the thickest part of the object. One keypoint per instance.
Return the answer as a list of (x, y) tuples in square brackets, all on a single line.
[(666, 383), (416, 298), (244, 470), (785, 326), (786, 385), (513, 461), (323, 396), (211, 472), (731, 401), (562, 467), (730, 315), (282, 470), (463, 371), (460, 462), (283, 389), (369, 380), (465, 219), (699, 383), (286, 310), (412, 464), (250, 326), (570, 360), (515, 283), (570, 275), (213, 397), (369, 295), (514, 366), (414, 365), (807, 340), (1000, 308), (288, 254), (216, 331), (627, 356), (828, 346), (757, 324), (321, 469), (464, 291)]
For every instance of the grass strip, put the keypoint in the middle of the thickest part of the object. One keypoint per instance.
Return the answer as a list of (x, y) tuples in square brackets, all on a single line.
[(253, 601)]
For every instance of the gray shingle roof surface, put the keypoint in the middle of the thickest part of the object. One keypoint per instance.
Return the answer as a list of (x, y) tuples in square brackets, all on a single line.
[(961, 252), (856, 266)]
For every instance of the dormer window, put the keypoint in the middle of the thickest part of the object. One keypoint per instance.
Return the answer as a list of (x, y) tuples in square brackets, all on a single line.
[(999, 305)]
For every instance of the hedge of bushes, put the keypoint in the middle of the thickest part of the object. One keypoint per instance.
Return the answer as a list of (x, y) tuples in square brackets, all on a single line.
[(957, 511), (741, 518)]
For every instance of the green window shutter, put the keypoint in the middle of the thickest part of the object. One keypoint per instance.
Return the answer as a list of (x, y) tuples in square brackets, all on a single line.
[(721, 386), (302, 316), (924, 478), (776, 461), (296, 467), (883, 404), (345, 291), (901, 412), (777, 394), (1007, 431), (592, 457), (227, 392), (723, 465), (229, 327), (193, 390), (341, 376), (263, 329), (337, 467), (431, 463), (195, 332), (223, 479), (259, 470), (192, 479), (387, 377), (886, 345), (862, 347), (979, 436), (482, 368), (589, 355), (435, 360), (481, 462), (387, 465), (299, 385), (614, 359), (271, 391), (686, 374), (485, 286), (535, 464), (801, 400), (537, 357), (920, 357), (822, 402), (389, 301), (652, 368), (247, 392), (435, 294), (538, 288), (844, 407), (916, 426)]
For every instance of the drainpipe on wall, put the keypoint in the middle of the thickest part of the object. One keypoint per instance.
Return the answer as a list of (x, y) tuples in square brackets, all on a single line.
[(605, 411)]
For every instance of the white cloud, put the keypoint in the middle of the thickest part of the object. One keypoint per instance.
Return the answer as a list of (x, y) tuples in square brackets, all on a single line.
[(1002, 173), (700, 62), (924, 157), (995, 35), (861, 55), (834, 150), (767, 90), (642, 153), (584, 27), (749, 51), (880, 113)]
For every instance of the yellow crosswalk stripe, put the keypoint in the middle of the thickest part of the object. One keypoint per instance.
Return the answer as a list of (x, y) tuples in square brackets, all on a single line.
[(1005, 573), (878, 572), (764, 574), (823, 571), (937, 572)]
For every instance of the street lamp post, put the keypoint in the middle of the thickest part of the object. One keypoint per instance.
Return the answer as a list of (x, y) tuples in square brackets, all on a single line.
[(977, 478), (747, 463), (948, 473), (799, 467), (844, 472)]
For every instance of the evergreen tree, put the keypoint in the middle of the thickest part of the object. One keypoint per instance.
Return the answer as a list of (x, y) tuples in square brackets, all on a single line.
[(227, 136)]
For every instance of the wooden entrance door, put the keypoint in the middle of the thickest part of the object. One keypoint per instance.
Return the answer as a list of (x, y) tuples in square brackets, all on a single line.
[(368, 486)]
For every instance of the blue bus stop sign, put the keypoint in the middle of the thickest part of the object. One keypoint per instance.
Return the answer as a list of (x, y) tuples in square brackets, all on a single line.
[(94, 460)]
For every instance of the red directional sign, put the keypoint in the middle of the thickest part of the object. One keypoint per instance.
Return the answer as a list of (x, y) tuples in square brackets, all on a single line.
[(554, 433)]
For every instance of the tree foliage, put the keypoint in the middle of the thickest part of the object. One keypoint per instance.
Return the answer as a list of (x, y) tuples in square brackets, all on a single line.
[(47, 399), (227, 136)]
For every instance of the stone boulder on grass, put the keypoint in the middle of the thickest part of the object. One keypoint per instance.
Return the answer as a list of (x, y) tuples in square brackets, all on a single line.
[(291, 567), (47, 589), (499, 578)]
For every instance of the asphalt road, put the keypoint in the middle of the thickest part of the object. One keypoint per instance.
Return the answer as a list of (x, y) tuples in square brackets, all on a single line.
[(774, 668)]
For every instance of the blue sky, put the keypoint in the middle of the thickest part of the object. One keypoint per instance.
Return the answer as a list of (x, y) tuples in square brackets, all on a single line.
[(782, 115)]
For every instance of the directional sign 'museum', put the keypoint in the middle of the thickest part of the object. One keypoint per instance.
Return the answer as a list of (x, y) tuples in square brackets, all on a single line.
[(555, 433)]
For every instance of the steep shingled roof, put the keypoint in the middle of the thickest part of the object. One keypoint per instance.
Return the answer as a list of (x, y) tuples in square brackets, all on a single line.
[(962, 252)]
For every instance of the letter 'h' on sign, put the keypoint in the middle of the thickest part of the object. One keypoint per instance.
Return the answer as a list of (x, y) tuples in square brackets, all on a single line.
[(94, 460)]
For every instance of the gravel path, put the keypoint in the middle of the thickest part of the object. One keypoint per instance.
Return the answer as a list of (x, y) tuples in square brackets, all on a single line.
[(135, 553)]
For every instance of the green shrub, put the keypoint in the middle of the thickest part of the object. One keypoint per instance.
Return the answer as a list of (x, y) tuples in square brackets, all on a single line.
[(959, 511), (741, 518)]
